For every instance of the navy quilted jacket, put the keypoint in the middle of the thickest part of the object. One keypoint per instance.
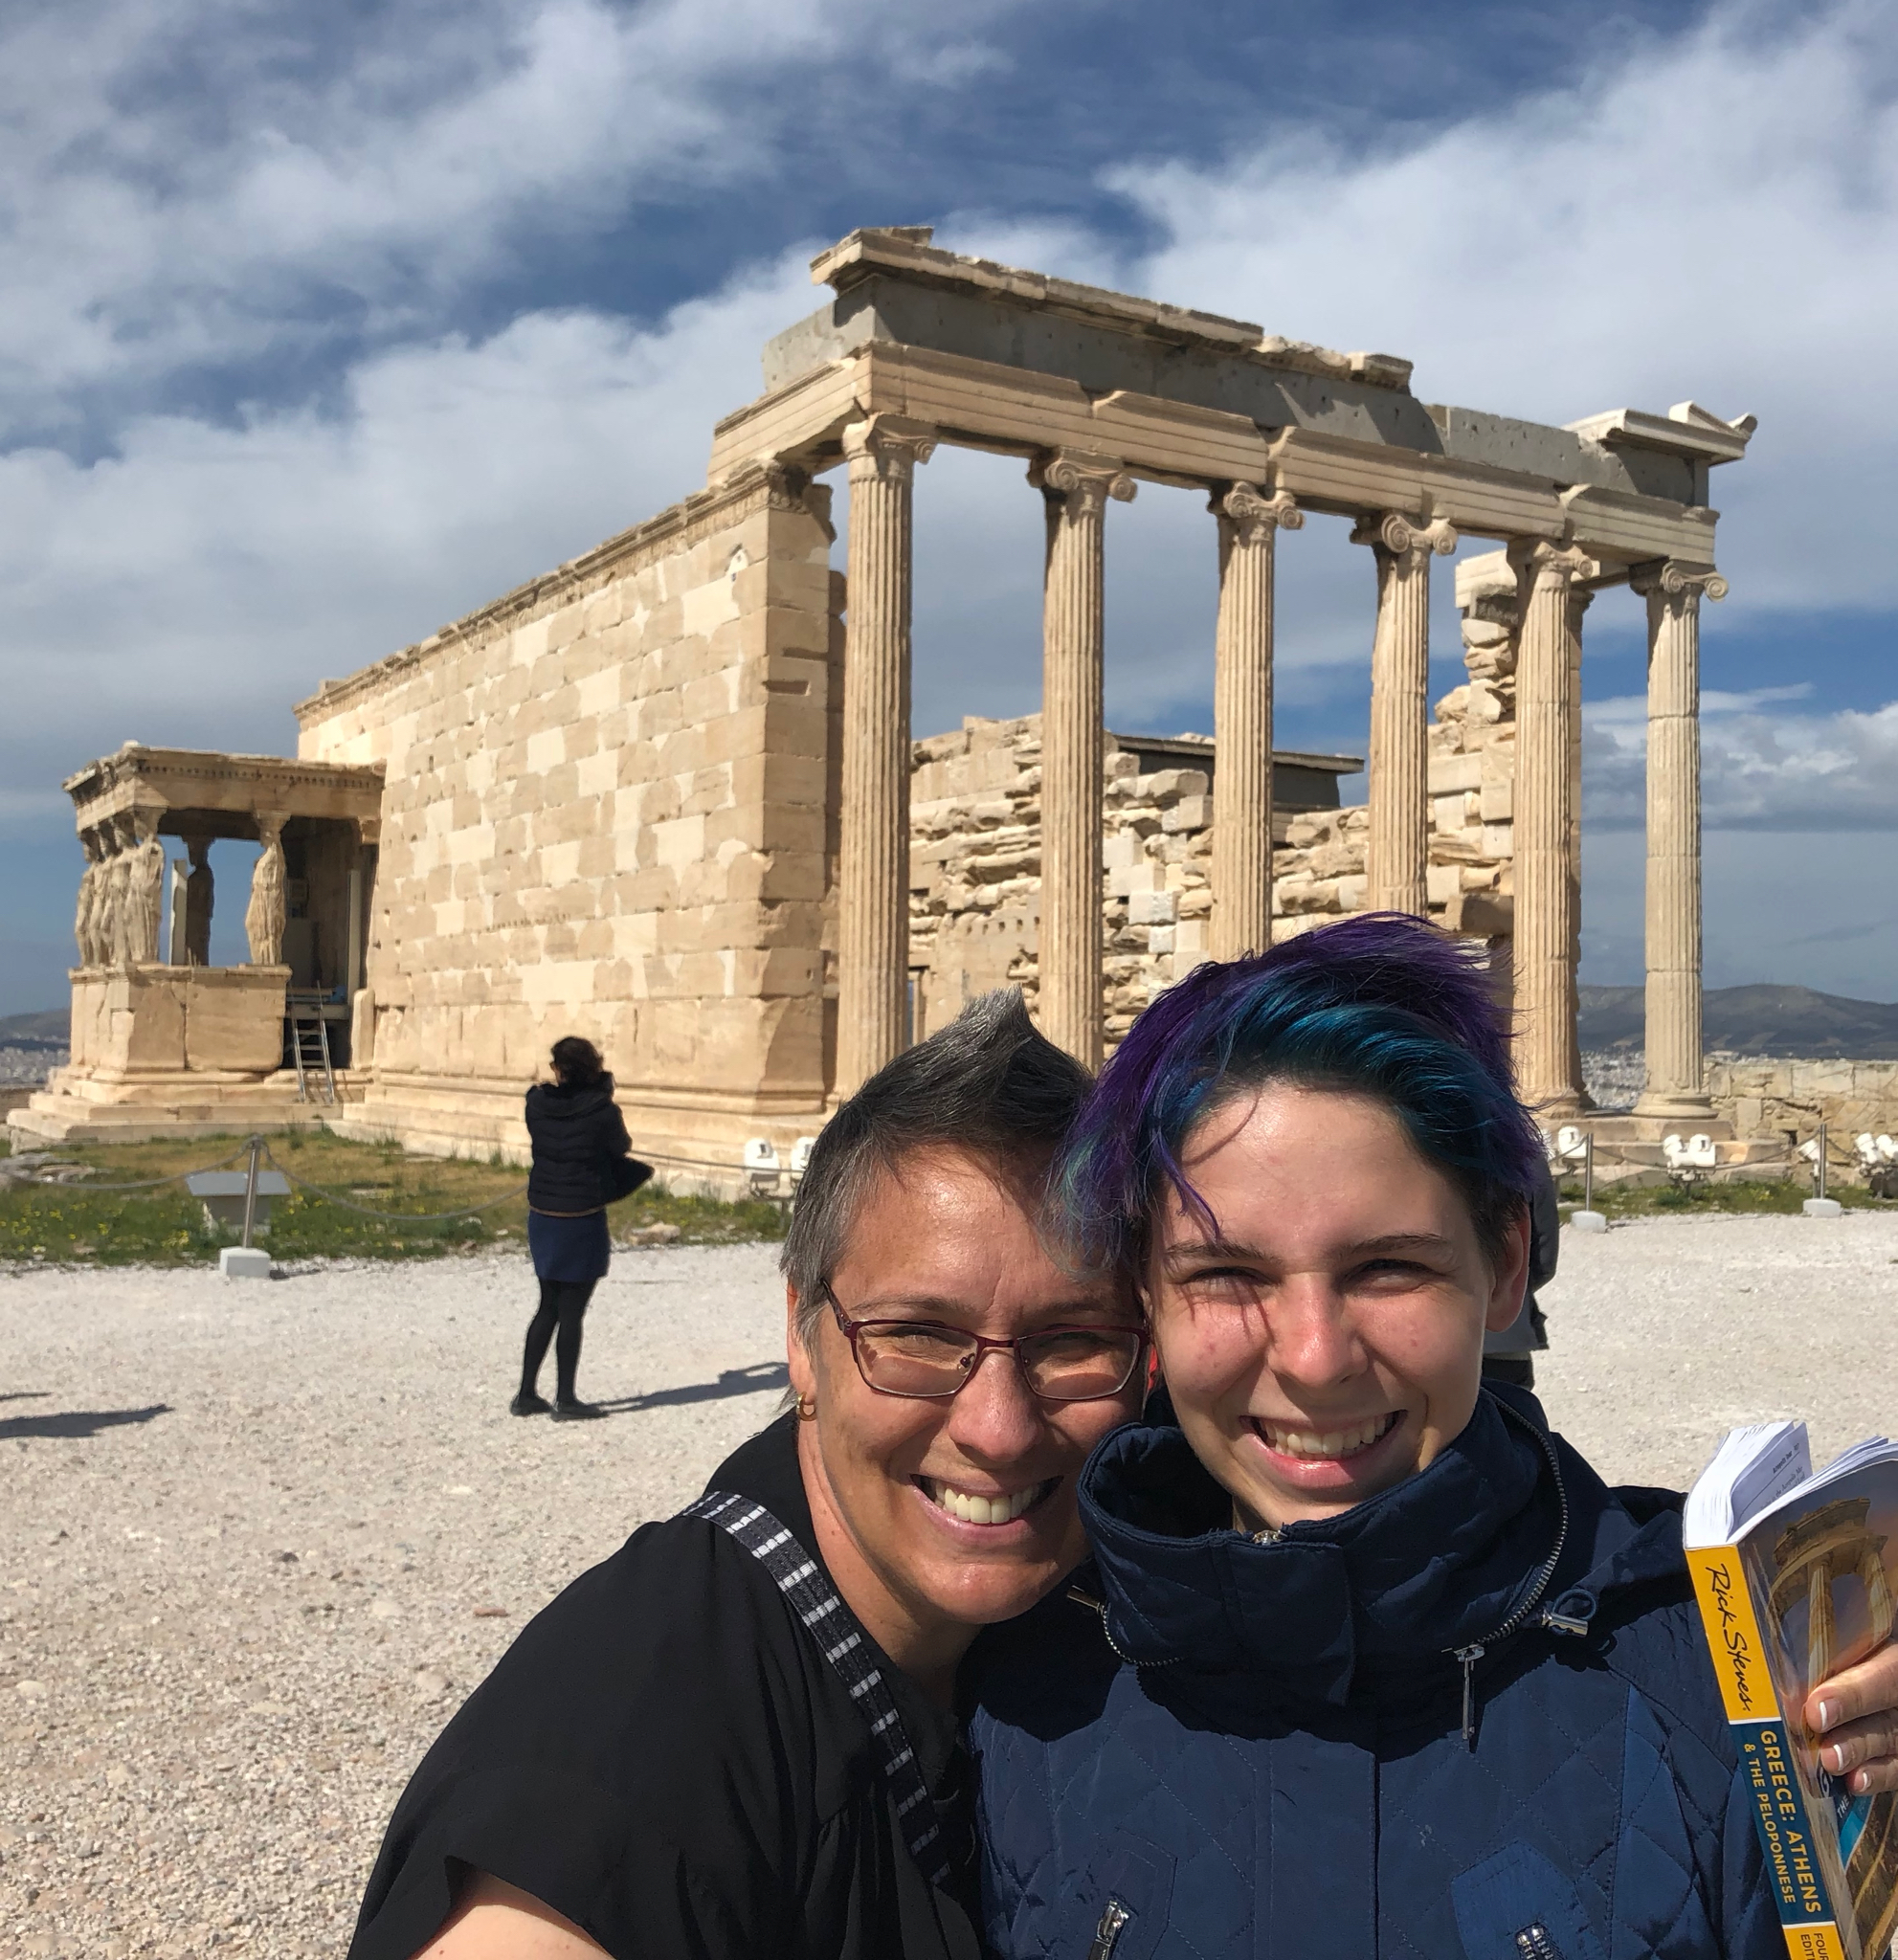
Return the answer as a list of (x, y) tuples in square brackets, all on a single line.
[(1247, 1751)]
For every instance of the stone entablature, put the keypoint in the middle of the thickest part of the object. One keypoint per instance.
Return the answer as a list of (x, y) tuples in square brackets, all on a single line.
[(205, 791)]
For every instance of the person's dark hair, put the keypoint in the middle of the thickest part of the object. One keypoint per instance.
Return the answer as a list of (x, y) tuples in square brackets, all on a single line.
[(1383, 1006), (987, 1083), (577, 1063)]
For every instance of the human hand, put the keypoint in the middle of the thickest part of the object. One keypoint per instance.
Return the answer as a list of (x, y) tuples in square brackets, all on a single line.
[(1856, 1713)]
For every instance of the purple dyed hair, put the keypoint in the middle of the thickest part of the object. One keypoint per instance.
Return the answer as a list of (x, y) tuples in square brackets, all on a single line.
[(1384, 1006)]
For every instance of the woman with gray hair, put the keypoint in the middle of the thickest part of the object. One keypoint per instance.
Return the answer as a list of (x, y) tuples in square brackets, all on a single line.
[(737, 1737)]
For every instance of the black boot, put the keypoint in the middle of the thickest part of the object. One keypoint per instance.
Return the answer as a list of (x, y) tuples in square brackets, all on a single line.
[(529, 1403)]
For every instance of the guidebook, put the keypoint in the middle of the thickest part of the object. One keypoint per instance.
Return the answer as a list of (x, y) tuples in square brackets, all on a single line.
[(1795, 1575)]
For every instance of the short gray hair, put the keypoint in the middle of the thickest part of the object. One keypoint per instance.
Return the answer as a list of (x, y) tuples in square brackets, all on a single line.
[(987, 1083)]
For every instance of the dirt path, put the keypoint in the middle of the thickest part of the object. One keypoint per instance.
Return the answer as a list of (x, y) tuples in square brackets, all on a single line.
[(257, 1542)]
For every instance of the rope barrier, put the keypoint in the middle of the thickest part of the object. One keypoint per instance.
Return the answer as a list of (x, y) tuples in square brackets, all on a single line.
[(142, 1184)]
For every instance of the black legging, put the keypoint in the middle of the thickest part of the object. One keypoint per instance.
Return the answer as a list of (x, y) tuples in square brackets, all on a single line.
[(563, 1304)]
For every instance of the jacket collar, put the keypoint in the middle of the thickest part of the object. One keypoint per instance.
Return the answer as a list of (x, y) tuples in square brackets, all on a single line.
[(1440, 1563)]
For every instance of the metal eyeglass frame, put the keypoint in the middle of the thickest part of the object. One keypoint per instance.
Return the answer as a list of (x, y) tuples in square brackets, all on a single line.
[(850, 1329)]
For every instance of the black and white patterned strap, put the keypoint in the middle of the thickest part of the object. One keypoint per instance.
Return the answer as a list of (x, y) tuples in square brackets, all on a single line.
[(846, 1646)]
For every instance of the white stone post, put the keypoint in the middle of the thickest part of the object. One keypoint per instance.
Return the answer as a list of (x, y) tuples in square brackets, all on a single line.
[(1675, 1089), (1398, 854), (873, 841), (1241, 921), (1077, 488), (1547, 661)]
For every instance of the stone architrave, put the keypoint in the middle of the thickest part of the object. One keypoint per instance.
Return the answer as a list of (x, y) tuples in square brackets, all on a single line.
[(268, 912), (1249, 522), (1546, 927), (1398, 851), (200, 895), (1675, 1088), (873, 820), (144, 891), (85, 932), (1077, 488)]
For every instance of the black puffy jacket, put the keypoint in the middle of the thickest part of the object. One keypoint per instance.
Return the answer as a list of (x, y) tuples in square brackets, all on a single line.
[(576, 1134)]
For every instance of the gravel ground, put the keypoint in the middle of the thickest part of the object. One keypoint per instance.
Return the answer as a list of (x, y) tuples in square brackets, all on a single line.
[(257, 1541)]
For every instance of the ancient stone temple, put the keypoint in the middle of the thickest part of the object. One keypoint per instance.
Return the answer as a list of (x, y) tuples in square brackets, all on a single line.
[(667, 794)]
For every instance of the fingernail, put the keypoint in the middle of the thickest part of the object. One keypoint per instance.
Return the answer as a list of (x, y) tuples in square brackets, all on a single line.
[(1833, 1759), (1828, 1714)]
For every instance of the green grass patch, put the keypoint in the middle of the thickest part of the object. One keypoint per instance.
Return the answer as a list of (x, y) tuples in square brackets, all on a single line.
[(69, 1224), (1782, 1198)]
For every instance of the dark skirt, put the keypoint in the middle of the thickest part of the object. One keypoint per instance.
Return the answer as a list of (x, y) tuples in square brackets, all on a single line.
[(569, 1251)]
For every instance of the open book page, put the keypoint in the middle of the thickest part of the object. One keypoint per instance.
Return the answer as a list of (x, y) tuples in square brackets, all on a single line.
[(1821, 1563)]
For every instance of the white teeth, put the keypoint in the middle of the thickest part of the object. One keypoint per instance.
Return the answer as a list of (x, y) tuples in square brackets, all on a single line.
[(1330, 1442), (974, 1508)]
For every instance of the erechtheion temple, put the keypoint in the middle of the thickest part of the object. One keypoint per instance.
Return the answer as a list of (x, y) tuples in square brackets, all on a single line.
[(667, 794)]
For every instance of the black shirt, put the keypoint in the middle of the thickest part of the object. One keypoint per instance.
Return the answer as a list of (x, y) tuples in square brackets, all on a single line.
[(665, 1757)]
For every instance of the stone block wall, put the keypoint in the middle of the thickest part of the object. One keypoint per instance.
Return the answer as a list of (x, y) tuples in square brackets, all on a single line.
[(1765, 1096), (605, 814), (975, 862), (975, 870)]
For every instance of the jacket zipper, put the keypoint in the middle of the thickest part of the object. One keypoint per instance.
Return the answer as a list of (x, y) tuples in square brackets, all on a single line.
[(1533, 1942), (1107, 1934), (1468, 1657)]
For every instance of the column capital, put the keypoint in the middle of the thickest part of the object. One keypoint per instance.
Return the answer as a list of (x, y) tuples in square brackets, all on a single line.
[(1252, 513), (887, 447), (1672, 579), (1536, 558), (1404, 537), (1084, 483)]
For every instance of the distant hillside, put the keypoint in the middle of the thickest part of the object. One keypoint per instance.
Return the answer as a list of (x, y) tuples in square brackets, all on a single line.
[(48, 1030), (1754, 1020)]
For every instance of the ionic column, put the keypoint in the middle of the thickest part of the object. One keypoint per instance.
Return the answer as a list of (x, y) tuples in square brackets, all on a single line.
[(1399, 843), (1077, 488), (1249, 522), (873, 840), (1547, 663), (1674, 1071)]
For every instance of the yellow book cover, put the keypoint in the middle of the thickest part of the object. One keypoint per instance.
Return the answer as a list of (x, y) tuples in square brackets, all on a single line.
[(1798, 1583)]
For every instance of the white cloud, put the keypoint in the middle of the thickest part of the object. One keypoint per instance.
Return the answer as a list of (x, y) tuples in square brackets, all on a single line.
[(247, 563), (1714, 217), (211, 180), (1777, 771)]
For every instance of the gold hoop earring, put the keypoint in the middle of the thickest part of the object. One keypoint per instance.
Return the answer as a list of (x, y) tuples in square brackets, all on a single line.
[(806, 1409)]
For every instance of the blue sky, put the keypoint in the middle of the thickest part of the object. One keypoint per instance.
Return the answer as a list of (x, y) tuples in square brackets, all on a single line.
[(321, 325)]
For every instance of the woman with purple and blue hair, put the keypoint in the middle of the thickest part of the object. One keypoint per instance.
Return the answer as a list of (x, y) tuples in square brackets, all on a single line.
[(1367, 1660)]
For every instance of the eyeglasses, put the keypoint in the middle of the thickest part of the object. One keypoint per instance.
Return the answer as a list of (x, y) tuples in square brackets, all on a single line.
[(925, 1358)]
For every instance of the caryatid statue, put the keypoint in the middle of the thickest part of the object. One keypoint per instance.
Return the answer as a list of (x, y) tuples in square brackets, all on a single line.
[(115, 886), (145, 891), (200, 888), (85, 930), (269, 909)]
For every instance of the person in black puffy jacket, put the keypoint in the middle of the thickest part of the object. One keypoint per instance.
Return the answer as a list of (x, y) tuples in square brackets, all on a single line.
[(581, 1164)]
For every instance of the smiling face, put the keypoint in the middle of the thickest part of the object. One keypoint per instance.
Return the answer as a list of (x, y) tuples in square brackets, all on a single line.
[(1325, 1342), (940, 1516)]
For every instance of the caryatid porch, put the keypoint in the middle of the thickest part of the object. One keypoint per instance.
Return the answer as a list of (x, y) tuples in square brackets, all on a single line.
[(161, 1037), (1097, 392)]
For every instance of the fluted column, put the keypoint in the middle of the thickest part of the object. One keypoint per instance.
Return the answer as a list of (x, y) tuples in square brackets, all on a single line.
[(1674, 1071), (1547, 663), (873, 840), (1077, 488), (1249, 522), (1399, 844)]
